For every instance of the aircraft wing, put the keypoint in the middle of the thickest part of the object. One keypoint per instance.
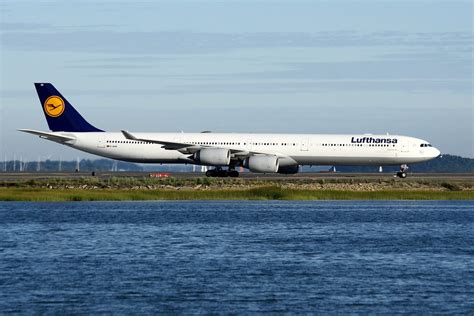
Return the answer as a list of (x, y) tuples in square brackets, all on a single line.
[(50, 136), (166, 144), (182, 147)]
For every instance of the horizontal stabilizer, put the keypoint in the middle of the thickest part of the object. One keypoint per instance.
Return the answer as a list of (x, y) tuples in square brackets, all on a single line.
[(50, 136)]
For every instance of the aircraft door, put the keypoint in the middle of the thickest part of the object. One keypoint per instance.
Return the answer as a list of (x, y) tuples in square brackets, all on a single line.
[(101, 142), (248, 145), (304, 144), (405, 147)]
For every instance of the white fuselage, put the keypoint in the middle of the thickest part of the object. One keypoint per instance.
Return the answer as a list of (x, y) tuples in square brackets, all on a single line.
[(302, 149)]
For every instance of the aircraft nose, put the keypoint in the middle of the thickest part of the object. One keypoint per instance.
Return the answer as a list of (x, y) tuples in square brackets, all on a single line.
[(436, 152)]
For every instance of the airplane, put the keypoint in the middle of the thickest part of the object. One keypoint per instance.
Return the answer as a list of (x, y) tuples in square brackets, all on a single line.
[(261, 153)]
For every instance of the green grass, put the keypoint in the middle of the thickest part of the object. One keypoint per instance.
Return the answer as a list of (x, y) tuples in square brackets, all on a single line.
[(258, 193), (141, 188)]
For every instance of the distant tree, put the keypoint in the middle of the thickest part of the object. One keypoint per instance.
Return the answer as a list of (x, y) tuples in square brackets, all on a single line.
[(445, 163)]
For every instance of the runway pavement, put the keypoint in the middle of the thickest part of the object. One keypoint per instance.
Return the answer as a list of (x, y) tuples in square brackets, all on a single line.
[(14, 176)]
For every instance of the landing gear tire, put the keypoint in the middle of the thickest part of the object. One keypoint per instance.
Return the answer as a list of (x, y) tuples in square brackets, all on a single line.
[(233, 174), (222, 173), (216, 173), (403, 171), (402, 174)]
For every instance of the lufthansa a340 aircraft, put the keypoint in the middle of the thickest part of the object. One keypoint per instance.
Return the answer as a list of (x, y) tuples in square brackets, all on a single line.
[(264, 153)]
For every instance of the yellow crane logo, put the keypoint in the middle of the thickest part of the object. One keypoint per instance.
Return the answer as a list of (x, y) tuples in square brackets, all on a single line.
[(54, 106)]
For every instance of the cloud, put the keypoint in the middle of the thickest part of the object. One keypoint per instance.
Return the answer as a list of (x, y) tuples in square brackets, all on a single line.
[(365, 70), (102, 41), (272, 87), (112, 66), (413, 75), (22, 26), (412, 86)]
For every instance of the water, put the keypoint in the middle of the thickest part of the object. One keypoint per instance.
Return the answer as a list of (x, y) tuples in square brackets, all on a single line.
[(221, 257)]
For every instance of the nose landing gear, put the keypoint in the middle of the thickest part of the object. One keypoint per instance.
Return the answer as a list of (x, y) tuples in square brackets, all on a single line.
[(403, 171)]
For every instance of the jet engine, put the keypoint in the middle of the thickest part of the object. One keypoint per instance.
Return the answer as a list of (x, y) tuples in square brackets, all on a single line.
[(213, 156), (264, 164)]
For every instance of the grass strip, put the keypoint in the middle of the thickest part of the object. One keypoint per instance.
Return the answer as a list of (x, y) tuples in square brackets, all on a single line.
[(258, 193)]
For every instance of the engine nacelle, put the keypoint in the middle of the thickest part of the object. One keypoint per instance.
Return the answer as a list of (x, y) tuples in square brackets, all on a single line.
[(289, 169), (213, 156), (265, 164)]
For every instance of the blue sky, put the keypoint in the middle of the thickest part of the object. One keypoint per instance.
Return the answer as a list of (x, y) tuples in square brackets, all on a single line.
[(403, 67)]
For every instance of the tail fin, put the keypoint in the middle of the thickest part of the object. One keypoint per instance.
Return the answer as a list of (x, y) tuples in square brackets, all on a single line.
[(60, 114)]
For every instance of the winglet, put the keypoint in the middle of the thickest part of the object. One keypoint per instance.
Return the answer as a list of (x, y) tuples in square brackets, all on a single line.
[(128, 135)]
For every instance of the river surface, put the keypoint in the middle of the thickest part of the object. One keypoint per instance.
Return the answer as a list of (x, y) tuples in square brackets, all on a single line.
[(222, 257)]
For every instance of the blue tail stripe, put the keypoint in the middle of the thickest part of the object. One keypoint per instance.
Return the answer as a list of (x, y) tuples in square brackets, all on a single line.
[(60, 114)]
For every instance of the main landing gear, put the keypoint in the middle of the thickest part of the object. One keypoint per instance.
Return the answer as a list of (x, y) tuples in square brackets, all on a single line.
[(403, 171), (219, 172)]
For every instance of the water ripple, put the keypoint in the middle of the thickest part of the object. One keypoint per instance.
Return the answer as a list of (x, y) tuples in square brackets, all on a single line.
[(223, 257)]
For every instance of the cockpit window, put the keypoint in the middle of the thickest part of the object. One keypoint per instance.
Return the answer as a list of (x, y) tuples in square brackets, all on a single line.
[(426, 145)]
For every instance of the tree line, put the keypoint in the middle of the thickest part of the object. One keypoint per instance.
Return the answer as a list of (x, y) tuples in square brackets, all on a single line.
[(445, 163)]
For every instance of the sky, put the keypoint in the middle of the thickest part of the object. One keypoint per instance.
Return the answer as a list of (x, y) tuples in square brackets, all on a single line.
[(344, 67)]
